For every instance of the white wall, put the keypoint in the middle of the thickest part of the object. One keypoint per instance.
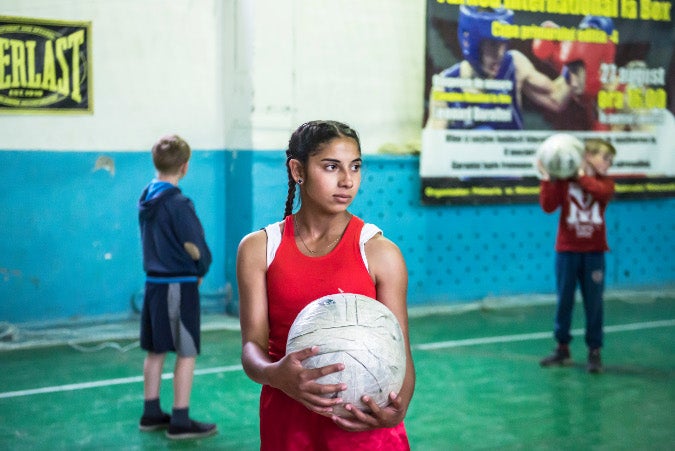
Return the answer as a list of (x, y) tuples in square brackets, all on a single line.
[(157, 68), (235, 73), (357, 61)]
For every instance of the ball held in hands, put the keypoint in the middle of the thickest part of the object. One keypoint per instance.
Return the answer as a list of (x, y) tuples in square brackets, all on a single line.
[(560, 155), (364, 335)]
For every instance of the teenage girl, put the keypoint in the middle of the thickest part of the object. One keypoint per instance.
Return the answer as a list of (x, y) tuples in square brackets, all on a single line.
[(319, 250)]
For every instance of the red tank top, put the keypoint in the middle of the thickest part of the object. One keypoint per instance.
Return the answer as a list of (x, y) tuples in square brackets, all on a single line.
[(293, 281)]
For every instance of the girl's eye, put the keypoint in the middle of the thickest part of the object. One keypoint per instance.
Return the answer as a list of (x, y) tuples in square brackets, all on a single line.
[(356, 167)]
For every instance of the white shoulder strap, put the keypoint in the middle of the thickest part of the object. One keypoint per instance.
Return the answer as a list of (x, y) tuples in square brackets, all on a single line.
[(273, 232), (367, 232)]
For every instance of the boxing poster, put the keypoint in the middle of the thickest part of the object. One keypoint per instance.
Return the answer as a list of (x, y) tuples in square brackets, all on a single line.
[(45, 66), (503, 75)]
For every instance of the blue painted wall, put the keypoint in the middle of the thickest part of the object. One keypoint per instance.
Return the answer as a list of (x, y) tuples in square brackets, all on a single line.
[(465, 253), (70, 245), (70, 242)]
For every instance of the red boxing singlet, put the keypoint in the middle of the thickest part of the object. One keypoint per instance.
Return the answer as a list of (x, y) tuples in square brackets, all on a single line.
[(293, 281)]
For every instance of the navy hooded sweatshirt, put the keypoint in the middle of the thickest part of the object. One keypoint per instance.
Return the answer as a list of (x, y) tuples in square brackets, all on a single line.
[(168, 220)]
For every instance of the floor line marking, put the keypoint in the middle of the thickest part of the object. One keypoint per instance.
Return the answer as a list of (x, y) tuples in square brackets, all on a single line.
[(423, 347), (537, 335), (109, 382)]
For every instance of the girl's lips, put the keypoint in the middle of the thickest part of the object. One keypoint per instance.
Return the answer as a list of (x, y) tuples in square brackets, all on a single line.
[(342, 197)]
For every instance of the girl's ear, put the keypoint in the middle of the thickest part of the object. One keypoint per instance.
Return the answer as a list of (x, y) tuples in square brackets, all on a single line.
[(297, 170)]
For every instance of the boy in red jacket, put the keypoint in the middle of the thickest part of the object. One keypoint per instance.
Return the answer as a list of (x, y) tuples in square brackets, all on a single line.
[(580, 247)]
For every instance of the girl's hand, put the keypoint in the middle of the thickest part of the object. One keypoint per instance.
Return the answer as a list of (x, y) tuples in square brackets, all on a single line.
[(289, 376), (379, 417)]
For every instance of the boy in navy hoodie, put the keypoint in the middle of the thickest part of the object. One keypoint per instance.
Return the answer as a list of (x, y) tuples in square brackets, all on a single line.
[(175, 259)]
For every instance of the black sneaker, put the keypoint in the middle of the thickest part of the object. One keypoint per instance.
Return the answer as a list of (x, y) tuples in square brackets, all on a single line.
[(594, 361), (154, 423), (194, 430), (559, 357)]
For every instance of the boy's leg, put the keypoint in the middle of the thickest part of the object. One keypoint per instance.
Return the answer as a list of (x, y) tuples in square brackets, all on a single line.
[(565, 272), (183, 375), (153, 417), (182, 427), (592, 288), (184, 316), (566, 269), (152, 374), (185, 319)]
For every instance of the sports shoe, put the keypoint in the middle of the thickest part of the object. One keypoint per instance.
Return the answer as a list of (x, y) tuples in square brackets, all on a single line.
[(194, 430), (154, 423), (594, 361), (559, 357)]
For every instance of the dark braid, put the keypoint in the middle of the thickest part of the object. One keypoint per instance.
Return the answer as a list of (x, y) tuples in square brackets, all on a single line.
[(291, 191), (308, 140)]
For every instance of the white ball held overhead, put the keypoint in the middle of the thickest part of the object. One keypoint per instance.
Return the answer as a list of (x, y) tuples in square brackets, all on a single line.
[(561, 155), (359, 332)]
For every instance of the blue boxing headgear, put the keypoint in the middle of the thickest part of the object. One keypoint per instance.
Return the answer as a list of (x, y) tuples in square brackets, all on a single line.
[(475, 25), (599, 23)]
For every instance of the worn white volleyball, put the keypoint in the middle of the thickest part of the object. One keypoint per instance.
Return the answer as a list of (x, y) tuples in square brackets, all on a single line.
[(359, 332), (561, 155)]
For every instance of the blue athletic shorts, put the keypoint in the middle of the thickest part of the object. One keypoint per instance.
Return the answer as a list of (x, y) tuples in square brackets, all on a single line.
[(170, 319)]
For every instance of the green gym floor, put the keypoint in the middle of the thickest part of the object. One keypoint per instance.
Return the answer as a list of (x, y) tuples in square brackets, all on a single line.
[(479, 386)]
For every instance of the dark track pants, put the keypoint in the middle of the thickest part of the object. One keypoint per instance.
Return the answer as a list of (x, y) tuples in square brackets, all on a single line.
[(588, 269)]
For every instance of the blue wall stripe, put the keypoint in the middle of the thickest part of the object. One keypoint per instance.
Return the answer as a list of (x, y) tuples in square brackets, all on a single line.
[(70, 246)]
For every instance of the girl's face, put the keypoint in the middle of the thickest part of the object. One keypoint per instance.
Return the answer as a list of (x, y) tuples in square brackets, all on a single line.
[(333, 176)]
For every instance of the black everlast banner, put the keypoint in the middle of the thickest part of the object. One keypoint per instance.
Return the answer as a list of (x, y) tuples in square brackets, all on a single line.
[(45, 66)]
